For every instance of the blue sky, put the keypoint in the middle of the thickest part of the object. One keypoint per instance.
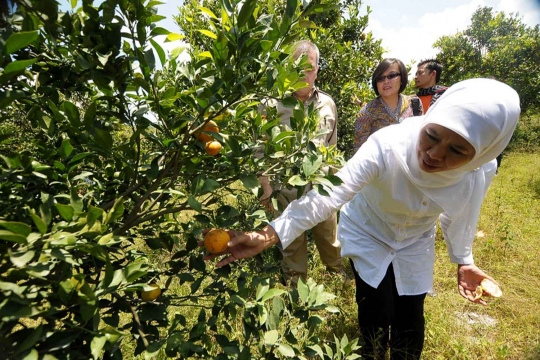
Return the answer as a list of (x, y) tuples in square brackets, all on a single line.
[(408, 28)]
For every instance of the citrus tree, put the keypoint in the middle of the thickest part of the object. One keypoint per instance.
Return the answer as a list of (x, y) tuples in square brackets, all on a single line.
[(104, 165), (348, 52), (495, 45)]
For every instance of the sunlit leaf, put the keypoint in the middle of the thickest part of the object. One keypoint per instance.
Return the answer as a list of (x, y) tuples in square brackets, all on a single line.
[(208, 33), (271, 337), (19, 40), (18, 65)]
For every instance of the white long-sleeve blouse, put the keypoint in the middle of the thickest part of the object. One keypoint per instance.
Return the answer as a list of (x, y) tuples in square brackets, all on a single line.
[(385, 219)]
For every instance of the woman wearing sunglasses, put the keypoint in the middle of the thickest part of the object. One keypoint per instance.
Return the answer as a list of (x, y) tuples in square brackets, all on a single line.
[(390, 107)]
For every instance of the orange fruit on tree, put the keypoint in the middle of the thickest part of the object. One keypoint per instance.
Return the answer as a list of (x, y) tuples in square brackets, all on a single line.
[(213, 147), (216, 241), (210, 126), (153, 294)]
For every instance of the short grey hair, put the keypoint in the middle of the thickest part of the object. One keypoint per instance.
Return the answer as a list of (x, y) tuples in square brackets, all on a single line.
[(304, 47)]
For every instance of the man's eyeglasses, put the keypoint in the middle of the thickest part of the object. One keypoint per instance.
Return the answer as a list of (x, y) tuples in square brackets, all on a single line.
[(390, 76)]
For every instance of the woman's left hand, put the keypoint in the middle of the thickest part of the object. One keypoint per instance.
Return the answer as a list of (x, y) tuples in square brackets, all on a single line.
[(469, 277)]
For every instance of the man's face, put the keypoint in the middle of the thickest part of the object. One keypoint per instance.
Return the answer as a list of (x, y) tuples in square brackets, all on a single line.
[(425, 78), (310, 74)]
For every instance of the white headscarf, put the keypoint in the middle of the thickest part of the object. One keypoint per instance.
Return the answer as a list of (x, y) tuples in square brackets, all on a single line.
[(485, 113)]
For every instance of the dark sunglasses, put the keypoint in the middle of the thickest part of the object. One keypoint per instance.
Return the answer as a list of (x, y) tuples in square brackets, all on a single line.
[(391, 76)]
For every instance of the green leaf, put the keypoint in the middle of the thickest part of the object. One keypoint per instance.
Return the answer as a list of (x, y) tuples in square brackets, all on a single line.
[(73, 4), (249, 181), (272, 293), (150, 59), (318, 350), (40, 224), (286, 350), (286, 20), (159, 31), (90, 115), (18, 65), (94, 213), (311, 165), (72, 112), (296, 180), (65, 211), (65, 148), (103, 138), (117, 211), (194, 204), (17, 227), (34, 355), (160, 52), (205, 54), (7, 97), (30, 340), (97, 344), (209, 186), (63, 239), (246, 12), (154, 19), (19, 40), (332, 309), (261, 290), (266, 45), (271, 337), (174, 37), (207, 33), (303, 290), (322, 181), (20, 259), (208, 12), (10, 236)]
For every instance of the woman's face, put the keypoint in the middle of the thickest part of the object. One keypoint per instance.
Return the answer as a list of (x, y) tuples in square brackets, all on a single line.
[(440, 149), (389, 87)]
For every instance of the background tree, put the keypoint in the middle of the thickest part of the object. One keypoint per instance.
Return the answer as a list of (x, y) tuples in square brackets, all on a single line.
[(495, 45)]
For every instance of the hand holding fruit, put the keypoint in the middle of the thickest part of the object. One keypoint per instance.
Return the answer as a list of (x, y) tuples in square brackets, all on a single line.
[(473, 283), (242, 244)]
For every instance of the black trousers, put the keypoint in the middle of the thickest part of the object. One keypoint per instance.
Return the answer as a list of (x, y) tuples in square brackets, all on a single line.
[(389, 321)]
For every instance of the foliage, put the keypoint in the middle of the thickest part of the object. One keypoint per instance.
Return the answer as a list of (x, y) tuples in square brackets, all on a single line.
[(110, 167), (349, 53), (495, 45), (349, 56)]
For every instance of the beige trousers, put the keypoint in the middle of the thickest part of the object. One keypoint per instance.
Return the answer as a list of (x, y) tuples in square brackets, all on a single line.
[(295, 256)]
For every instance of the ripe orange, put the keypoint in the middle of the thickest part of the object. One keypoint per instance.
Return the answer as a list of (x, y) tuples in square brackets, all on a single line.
[(213, 148), (152, 294), (210, 126), (487, 288), (490, 288), (216, 241)]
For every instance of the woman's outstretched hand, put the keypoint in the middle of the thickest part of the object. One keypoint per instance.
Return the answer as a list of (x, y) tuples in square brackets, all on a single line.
[(244, 245), (469, 277)]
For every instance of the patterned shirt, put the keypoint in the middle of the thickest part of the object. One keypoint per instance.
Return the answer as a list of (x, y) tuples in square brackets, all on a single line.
[(374, 116)]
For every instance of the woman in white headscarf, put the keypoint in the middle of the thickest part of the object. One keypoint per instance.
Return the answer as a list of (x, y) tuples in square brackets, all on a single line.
[(394, 189)]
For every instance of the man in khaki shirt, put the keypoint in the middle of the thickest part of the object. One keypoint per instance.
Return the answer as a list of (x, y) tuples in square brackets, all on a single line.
[(295, 257)]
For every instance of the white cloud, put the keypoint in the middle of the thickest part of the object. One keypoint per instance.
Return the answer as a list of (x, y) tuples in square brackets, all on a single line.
[(414, 40), (412, 37), (529, 10)]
